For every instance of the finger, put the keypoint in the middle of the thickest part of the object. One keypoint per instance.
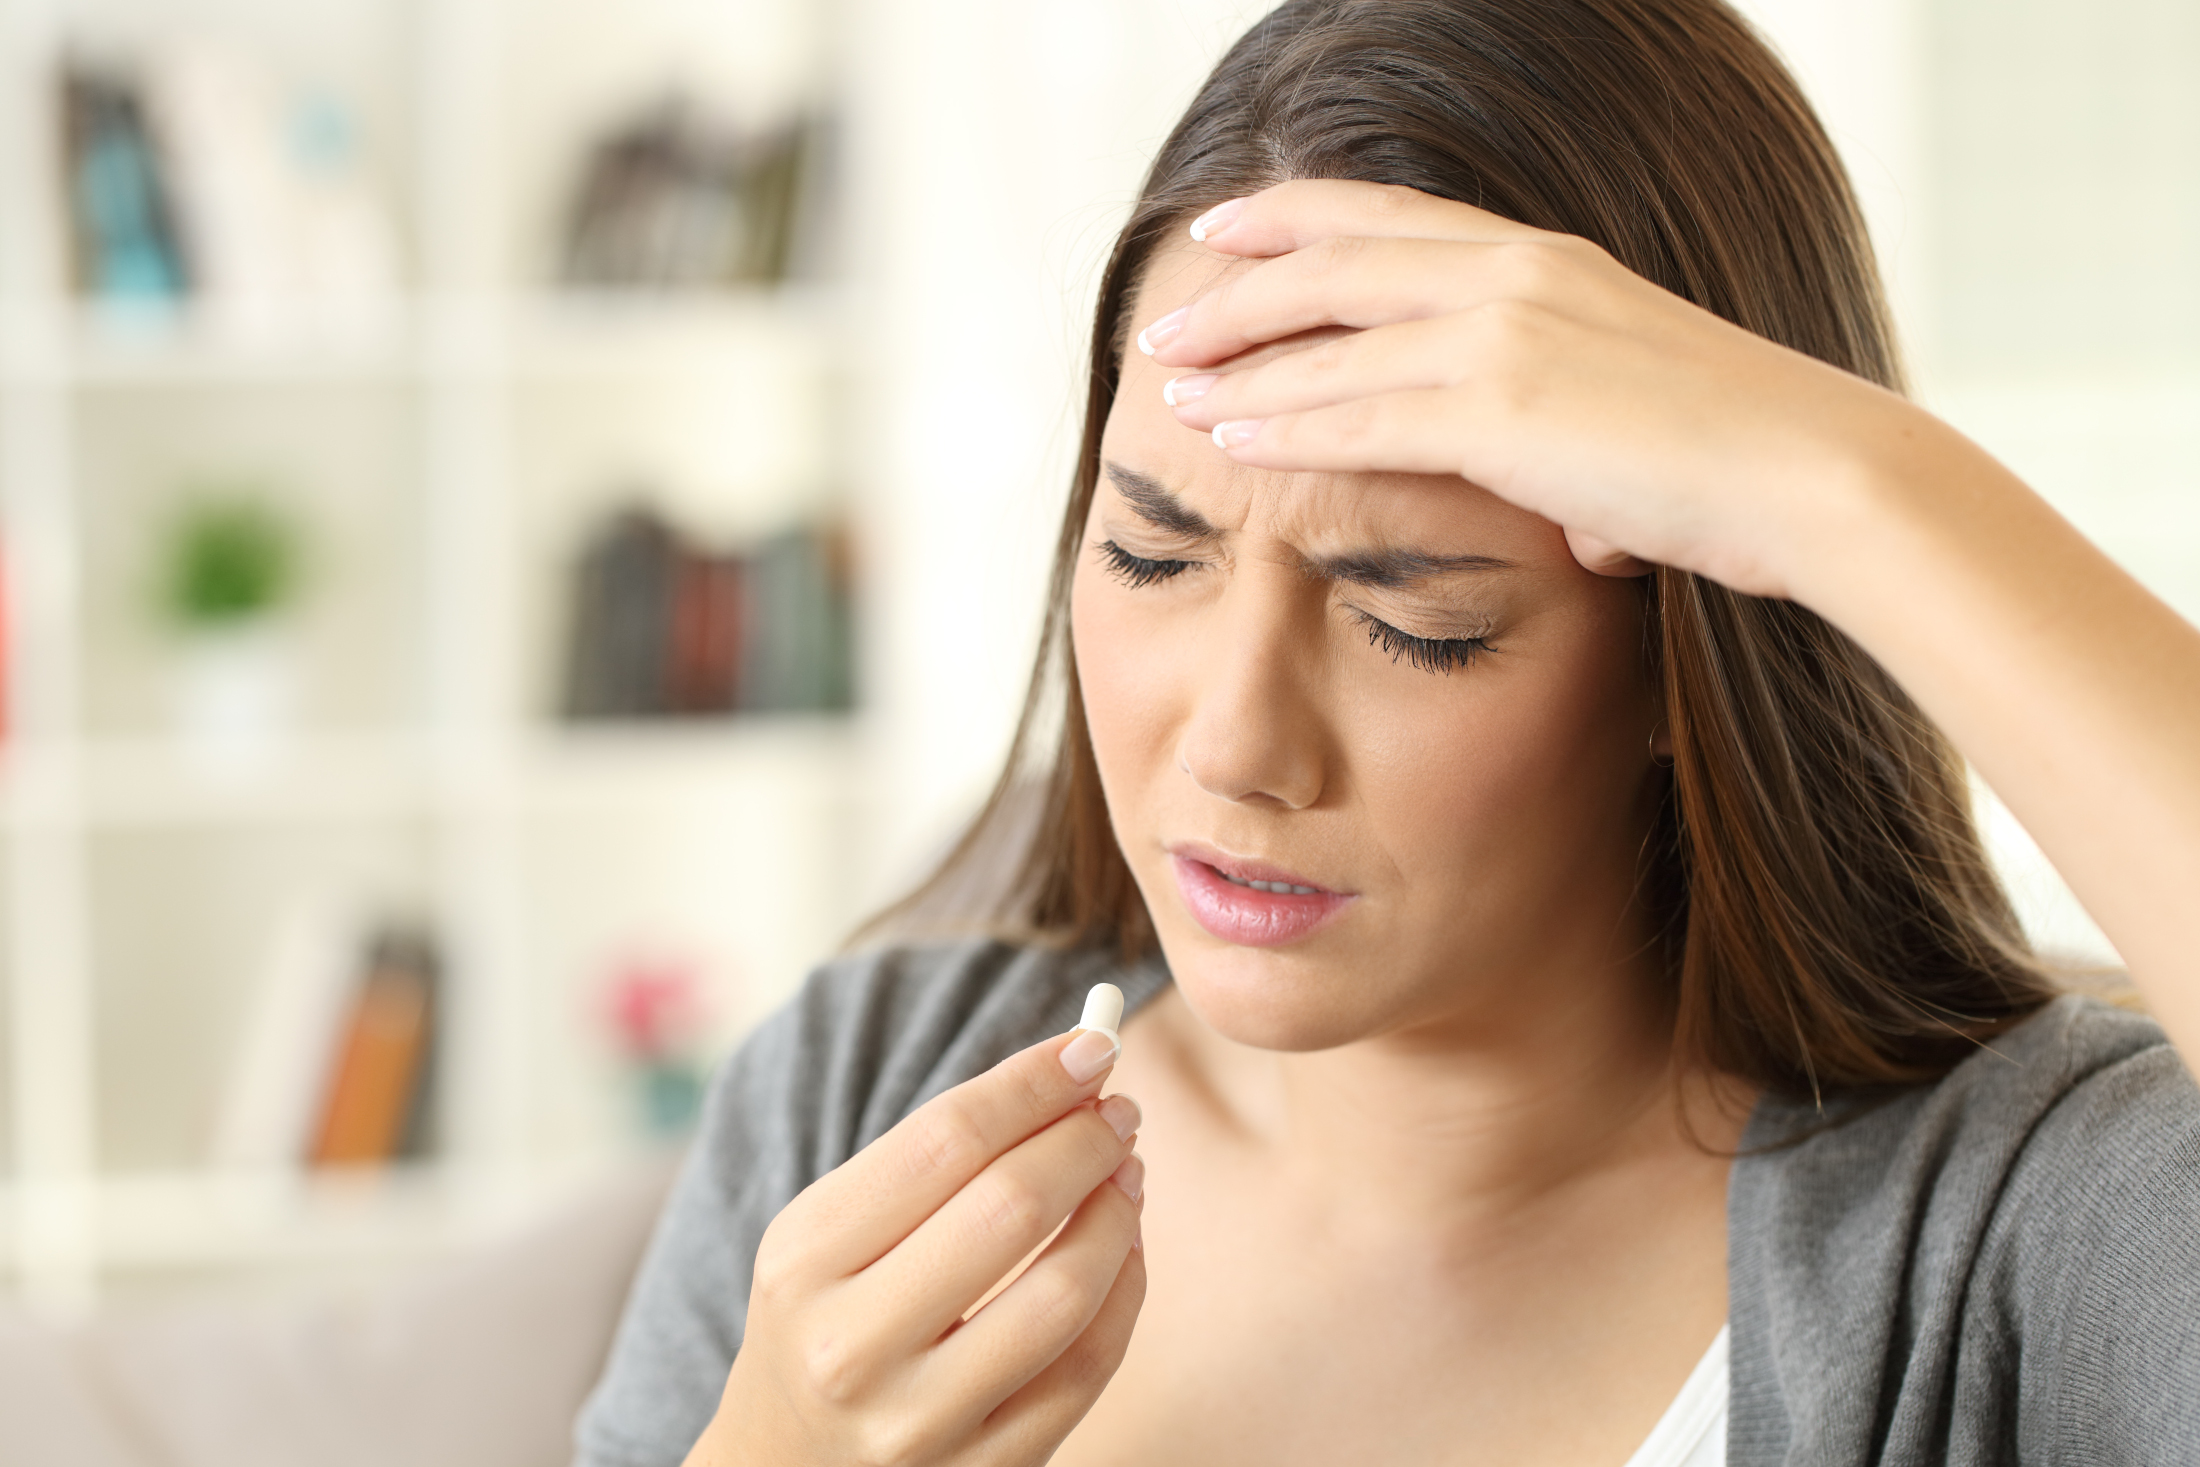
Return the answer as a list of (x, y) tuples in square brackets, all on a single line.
[(1030, 1423), (1346, 280), (931, 1278), (1398, 358), (851, 1217), (1018, 1335), (1603, 557), (1411, 432), (1291, 216), (1421, 431)]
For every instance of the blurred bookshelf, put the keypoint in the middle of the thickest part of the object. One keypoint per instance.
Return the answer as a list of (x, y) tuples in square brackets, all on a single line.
[(504, 366)]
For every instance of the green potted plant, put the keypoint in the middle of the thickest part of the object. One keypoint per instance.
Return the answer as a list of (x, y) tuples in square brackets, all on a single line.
[(229, 576)]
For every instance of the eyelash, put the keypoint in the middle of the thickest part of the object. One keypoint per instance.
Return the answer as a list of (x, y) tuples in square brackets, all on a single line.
[(1429, 654), (1135, 570)]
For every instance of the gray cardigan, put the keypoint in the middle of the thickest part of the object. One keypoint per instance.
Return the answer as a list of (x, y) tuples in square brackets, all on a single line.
[(2003, 1267)]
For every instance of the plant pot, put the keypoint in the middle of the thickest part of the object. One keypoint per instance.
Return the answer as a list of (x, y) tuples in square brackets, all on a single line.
[(235, 695)]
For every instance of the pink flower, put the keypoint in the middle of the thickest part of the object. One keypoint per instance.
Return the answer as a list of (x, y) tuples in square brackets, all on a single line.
[(654, 1006)]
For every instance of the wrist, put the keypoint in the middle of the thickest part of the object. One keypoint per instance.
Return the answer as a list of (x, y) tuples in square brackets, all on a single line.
[(1896, 483), (719, 1446)]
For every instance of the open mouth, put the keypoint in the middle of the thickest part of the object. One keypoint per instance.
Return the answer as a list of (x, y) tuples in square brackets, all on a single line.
[(1279, 888), (1249, 903)]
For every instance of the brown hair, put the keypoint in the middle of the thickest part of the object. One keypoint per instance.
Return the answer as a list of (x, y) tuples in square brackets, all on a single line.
[(1829, 917)]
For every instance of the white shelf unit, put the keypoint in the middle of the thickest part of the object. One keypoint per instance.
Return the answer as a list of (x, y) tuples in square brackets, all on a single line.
[(469, 435)]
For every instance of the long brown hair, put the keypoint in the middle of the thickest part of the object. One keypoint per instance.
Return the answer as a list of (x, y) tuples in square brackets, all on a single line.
[(1828, 916)]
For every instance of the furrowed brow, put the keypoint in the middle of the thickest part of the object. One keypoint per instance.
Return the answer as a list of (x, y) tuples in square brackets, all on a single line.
[(1386, 568), (1157, 506)]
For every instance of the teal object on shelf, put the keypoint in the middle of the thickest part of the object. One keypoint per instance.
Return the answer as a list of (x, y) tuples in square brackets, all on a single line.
[(672, 1098)]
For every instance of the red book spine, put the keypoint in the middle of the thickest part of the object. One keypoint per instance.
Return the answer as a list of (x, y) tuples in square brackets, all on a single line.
[(7, 646)]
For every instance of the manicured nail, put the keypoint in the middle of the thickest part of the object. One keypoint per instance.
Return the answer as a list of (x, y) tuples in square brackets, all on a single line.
[(1178, 391), (1121, 1114), (1131, 1177), (1089, 1053), (1217, 219), (1161, 332), (1237, 433)]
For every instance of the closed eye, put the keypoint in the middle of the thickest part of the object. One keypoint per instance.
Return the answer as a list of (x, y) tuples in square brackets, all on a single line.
[(1430, 654), (1136, 570)]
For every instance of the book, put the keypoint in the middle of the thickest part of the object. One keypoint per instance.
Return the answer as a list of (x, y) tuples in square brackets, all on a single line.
[(216, 118), (124, 244), (271, 1101), (774, 169), (624, 585), (200, 173), (663, 626), (673, 199), (381, 1076), (274, 195), (708, 614), (799, 654)]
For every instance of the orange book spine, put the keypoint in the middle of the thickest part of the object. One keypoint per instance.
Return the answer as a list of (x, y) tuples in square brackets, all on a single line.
[(376, 1070)]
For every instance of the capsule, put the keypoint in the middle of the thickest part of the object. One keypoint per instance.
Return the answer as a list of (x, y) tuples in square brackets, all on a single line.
[(1103, 1010)]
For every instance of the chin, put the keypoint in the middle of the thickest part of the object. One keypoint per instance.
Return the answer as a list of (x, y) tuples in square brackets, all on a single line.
[(1308, 997)]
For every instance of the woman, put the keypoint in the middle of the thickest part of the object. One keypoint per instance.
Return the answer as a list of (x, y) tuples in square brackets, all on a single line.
[(1508, 615)]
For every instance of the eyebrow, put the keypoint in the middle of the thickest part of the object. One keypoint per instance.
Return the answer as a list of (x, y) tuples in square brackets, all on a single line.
[(1399, 567), (1157, 506), (1153, 502)]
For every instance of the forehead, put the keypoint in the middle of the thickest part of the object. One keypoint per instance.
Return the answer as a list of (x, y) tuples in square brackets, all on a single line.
[(1322, 513)]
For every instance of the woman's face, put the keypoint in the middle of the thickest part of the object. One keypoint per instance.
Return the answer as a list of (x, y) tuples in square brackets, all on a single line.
[(1396, 690)]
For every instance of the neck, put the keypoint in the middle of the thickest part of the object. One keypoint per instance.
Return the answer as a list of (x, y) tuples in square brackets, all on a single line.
[(1474, 1120)]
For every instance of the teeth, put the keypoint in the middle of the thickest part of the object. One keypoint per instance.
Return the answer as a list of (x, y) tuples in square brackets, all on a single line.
[(1280, 888)]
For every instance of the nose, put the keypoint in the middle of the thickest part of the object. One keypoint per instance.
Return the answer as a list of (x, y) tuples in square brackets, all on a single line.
[(1255, 731)]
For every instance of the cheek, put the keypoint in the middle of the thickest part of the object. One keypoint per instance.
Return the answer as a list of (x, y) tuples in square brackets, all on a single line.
[(1126, 678), (1526, 778)]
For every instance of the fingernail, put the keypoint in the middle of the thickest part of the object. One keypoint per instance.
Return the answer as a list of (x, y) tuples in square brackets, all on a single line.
[(1161, 332), (1088, 1054), (1237, 433), (1131, 1177), (1217, 219), (1178, 391), (1121, 1114), (1138, 1238)]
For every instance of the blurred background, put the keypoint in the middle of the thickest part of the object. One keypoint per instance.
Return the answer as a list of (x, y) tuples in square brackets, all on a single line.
[(523, 519)]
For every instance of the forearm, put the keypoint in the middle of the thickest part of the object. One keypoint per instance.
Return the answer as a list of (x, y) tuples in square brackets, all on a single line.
[(2074, 691)]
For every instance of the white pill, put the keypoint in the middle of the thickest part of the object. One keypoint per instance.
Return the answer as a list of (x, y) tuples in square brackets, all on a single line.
[(1103, 1010)]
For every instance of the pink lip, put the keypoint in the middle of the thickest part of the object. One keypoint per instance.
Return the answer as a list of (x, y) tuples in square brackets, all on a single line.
[(1241, 915)]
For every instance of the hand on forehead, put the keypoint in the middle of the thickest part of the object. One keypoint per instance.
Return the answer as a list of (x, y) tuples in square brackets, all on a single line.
[(1180, 273), (1144, 435)]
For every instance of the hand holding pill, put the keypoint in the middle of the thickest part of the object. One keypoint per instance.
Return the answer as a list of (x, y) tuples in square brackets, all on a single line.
[(858, 1348)]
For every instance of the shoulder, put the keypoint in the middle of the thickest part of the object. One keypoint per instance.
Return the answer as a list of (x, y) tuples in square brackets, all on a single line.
[(2077, 1096), (1946, 1251), (2091, 1268), (2123, 1124), (2077, 1065)]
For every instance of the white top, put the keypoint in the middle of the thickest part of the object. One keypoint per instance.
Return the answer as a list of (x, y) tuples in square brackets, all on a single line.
[(1692, 1432)]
